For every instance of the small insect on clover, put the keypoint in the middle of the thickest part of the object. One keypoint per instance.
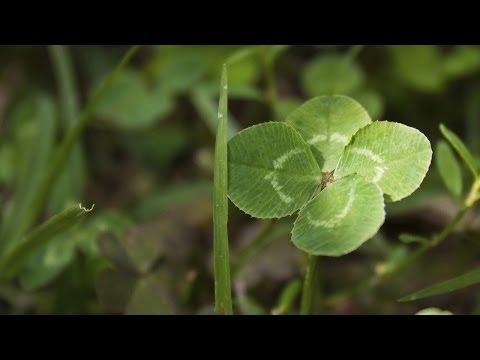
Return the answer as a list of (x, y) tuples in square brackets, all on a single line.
[(327, 179)]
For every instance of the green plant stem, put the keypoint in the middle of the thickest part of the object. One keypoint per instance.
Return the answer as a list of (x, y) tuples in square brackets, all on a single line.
[(223, 291), (259, 242), (62, 62), (428, 245), (474, 194), (64, 150), (353, 52), (376, 280), (308, 285), (270, 84), (72, 181)]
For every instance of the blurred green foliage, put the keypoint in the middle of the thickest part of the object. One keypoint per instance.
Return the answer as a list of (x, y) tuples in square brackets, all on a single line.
[(146, 161)]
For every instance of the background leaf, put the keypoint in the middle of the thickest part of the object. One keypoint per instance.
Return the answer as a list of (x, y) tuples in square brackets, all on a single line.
[(331, 74), (130, 105), (19, 217), (419, 67), (449, 168), (461, 149)]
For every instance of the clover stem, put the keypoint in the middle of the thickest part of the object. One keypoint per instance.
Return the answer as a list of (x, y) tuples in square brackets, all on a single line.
[(308, 285)]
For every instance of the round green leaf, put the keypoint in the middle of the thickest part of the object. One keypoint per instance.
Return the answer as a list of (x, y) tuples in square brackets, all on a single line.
[(419, 67), (340, 218), (286, 105), (392, 155), (331, 74), (327, 123), (130, 105), (271, 171)]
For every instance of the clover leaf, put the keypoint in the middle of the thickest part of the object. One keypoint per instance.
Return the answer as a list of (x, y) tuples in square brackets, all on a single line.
[(336, 170)]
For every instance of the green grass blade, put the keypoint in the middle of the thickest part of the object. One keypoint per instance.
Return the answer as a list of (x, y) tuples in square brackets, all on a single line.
[(16, 255), (407, 238), (461, 149), (63, 152), (20, 215), (207, 110), (70, 184), (456, 283), (287, 297), (271, 231), (249, 306), (62, 65), (223, 293)]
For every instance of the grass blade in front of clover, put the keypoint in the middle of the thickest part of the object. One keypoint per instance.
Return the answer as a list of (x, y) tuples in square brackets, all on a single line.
[(201, 99), (394, 156), (459, 282), (63, 152), (449, 168), (17, 254), (461, 149), (223, 292)]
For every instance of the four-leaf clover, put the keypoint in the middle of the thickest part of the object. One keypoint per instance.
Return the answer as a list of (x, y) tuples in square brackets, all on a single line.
[(331, 163)]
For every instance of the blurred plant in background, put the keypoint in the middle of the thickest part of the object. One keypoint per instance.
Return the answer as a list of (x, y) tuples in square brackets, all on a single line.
[(146, 161)]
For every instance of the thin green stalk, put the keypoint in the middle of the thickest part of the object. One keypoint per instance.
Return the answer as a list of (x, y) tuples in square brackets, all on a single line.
[(253, 247), (270, 84), (308, 285), (376, 280), (353, 52), (287, 297), (474, 194), (62, 65), (223, 292), (271, 231), (64, 150), (71, 183), (428, 245)]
